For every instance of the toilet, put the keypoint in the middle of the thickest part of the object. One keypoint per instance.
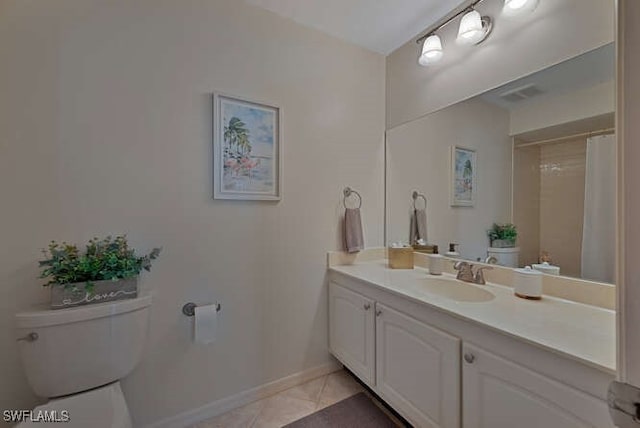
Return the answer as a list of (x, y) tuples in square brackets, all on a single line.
[(508, 257), (76, 357)]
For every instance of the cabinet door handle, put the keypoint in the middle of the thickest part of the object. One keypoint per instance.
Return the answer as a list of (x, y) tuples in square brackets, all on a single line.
[(379, 312), (367, 306), (469, 357)]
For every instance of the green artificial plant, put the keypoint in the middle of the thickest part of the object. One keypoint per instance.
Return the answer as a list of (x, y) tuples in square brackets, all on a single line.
[(503, 232), (103, 259)]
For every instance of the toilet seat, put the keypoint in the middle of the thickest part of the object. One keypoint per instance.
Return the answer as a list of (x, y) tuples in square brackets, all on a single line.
[(103, 407)]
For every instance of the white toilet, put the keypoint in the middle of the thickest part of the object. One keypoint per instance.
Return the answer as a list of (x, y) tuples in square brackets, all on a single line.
[(76, 357), (509, 257)]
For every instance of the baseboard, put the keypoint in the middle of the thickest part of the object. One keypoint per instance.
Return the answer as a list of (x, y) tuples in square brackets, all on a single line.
[(219, 407)]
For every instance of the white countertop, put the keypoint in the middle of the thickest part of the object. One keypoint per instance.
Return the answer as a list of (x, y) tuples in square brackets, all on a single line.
[(581, 332)]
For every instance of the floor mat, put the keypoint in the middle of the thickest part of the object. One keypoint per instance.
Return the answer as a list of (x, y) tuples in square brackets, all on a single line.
[(354, 412)]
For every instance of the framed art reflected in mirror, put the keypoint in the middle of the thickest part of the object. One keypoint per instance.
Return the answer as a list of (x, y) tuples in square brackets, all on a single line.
[(463, 176)]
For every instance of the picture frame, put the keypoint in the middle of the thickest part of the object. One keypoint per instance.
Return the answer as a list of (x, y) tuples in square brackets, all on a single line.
[(247, 147), (463, 176)]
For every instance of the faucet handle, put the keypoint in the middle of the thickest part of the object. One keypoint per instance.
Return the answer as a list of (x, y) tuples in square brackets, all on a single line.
[(459, 265), (465, 271), (478, 278)]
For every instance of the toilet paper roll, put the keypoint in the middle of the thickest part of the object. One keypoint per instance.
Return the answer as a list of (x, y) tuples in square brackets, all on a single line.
[(205, 324)]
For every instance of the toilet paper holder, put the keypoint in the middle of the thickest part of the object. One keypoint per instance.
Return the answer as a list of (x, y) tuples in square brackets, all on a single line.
[(189, 309)]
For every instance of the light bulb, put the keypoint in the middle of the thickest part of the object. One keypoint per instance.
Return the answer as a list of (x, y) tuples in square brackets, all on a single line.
[(431, 50), (516, 7), (471, 31)]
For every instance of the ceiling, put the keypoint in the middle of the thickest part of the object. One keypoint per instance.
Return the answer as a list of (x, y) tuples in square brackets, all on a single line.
[(378, 25)]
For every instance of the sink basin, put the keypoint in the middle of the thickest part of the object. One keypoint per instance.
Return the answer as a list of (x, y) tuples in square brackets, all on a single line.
[(456, 290)]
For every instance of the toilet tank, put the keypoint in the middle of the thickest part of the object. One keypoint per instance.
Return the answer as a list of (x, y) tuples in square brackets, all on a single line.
[(81, 348)]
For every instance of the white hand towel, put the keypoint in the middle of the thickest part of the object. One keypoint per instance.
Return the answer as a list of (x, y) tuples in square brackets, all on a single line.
[(418, 226)]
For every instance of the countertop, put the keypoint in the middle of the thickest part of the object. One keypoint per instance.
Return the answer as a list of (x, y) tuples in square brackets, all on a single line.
[(582, 332)]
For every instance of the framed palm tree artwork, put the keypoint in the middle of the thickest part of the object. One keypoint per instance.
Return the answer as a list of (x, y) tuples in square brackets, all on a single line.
[(463, 177), (246, 149)]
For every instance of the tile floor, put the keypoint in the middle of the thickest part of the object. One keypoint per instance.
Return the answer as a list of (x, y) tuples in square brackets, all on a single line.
[(290, 405)]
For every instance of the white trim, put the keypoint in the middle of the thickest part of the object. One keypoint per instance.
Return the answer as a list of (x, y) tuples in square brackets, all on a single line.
[(224, 405), (620, 6)]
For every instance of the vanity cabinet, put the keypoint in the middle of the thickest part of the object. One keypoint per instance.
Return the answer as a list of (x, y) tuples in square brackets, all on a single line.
[(429, 368), (498, 393), (352, 331), (412, 366), (417, 369)]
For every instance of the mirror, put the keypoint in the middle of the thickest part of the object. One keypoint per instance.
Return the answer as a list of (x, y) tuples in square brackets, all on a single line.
[(538, 153)]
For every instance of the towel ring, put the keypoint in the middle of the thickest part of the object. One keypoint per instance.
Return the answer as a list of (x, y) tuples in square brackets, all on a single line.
[(348, 191), (417, 196)]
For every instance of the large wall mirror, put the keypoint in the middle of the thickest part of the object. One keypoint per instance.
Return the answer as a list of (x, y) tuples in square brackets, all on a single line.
[(538, 153)]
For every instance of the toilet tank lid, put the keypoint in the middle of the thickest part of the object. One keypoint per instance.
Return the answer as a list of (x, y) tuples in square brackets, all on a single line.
[(43, 316)]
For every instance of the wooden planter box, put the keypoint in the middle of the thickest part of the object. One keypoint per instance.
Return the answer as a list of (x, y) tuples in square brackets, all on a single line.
[(69, 295)]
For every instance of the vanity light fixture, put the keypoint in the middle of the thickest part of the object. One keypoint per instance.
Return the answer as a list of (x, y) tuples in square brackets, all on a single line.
[(431, 50), (474, 28), (517, 7)]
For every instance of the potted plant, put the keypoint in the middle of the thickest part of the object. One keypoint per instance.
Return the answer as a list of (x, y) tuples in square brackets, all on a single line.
[(503, 235), (107, 270)]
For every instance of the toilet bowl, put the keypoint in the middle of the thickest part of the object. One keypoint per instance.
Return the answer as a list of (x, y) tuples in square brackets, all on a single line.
[(76, 357), (103, 407)]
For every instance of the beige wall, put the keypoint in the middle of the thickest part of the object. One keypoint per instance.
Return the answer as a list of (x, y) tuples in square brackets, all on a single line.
[(558, 30), (105, 127), (586, 103), (418, 158), (526, 202), (562, 177)]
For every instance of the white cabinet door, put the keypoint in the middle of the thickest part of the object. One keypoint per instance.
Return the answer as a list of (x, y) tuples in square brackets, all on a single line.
[(418, 370), (351, 331), (499, 393)]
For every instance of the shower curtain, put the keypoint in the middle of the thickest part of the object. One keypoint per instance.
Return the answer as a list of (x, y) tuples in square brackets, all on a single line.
[(599, 230)]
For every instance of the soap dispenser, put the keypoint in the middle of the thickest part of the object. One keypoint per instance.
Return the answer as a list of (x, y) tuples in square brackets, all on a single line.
[(453, 252)]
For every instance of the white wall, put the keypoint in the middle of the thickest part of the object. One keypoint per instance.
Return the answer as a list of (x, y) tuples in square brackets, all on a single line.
[(418, 158), (558, 30), (105, 127), (549, 111)]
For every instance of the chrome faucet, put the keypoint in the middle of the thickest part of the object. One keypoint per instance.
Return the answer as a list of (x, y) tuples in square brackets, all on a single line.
[(466, 274), (465, 271), (478, 278)]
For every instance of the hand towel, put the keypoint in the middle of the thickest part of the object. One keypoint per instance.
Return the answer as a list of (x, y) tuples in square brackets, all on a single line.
[(353, 237), (413, 228), (418, 226)]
